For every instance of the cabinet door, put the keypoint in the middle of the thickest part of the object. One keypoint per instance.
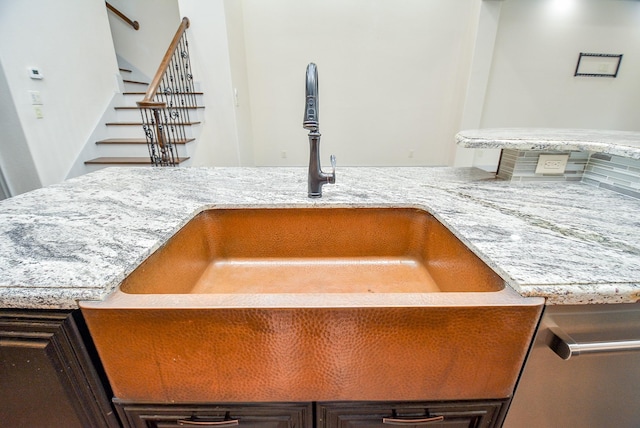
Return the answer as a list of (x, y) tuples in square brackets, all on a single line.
[(262, 415), (47, 378), (389, 415)]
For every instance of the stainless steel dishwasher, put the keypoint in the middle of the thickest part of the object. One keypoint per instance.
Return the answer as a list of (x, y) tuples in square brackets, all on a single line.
[(583, 370)]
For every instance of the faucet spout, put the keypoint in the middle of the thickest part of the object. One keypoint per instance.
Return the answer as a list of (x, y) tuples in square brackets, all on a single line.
[(311, 121), (316, 178)]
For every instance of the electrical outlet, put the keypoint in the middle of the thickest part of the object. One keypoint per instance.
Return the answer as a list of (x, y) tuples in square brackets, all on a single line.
[(552, 164), (38, 111), (283, 154)]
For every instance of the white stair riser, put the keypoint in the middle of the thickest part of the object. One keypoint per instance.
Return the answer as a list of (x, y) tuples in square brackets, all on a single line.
[(130, 86), (133, 150), (128, 116), (133, 115), (117, 131), (131, 100), (125, 132), (134, 87)]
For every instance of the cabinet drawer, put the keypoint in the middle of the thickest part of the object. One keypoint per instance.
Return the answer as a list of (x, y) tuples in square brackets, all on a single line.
[(474, 414), (250, 415)]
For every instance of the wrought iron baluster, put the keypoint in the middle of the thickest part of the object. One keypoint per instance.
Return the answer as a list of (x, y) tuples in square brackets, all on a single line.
[(165, 108)]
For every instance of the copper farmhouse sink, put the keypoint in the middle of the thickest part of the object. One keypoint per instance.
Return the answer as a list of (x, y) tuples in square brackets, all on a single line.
[(375, 250), (312, 304)]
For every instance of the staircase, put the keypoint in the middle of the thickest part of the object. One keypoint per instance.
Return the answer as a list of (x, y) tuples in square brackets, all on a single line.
[(127, 144)]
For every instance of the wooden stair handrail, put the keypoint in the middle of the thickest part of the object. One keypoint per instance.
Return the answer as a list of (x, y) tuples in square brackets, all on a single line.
[(134, 24), (147, 101)]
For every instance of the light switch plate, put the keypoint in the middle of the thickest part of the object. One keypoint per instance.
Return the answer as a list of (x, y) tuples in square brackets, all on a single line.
[(36, 99), (552, 164)]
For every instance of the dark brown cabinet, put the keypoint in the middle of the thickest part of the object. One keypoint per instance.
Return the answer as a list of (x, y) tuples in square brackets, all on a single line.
[(475, 414), (250, 415), (47, 375)]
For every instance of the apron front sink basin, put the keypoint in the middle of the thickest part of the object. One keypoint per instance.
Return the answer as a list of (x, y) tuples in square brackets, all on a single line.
[(326, 250), (312, 304)]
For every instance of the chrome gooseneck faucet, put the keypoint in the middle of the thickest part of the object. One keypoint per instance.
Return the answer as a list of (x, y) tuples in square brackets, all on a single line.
[(316, 178)]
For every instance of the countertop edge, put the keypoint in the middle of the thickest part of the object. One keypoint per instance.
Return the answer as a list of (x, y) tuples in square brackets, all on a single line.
[(619, 143)]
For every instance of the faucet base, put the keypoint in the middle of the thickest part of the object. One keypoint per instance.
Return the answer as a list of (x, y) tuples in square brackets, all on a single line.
[(316, 178)]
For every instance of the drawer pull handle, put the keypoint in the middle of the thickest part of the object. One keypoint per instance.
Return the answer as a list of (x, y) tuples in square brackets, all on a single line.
[(395, 421), (566, 347), (228, 423)]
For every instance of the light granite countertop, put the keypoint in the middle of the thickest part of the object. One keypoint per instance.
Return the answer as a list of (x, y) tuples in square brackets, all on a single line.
[(621, 143), (568, 242)]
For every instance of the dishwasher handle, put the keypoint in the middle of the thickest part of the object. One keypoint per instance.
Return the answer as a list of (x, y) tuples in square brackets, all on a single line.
[(566, 347)]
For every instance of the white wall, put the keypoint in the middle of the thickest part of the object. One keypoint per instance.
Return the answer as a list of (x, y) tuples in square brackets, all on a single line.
[(18, 173), (145, 47), (392, 77), (220, 142), (72, 46), (238, 66), (537, 47), (485, 35)]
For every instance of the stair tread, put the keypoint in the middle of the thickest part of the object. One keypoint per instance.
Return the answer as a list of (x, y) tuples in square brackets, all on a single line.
[(125, 160), (143, 93), (138, 108), (140, 123), (126, 70), (138, 141), (134, 81)]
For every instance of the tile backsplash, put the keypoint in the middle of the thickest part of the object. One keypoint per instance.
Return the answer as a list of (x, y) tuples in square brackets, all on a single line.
[(611, 172), (520, 165), (615, 173)]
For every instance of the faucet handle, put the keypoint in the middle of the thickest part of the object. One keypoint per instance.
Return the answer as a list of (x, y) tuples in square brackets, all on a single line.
[(332, 177)]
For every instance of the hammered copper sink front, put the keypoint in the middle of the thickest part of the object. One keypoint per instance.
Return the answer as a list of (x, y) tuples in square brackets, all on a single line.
[(312, 304)]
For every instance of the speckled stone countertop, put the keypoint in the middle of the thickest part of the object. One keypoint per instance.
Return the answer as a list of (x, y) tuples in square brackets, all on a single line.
[(621, 143), (568, 242)]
